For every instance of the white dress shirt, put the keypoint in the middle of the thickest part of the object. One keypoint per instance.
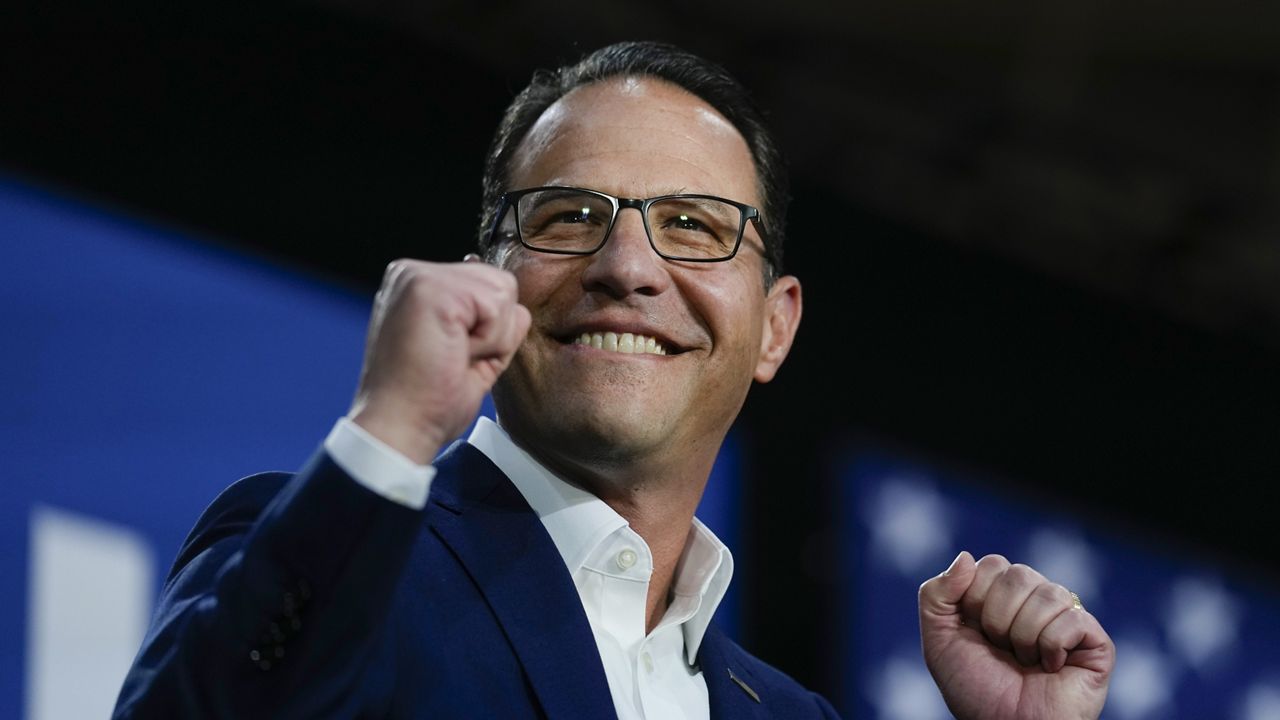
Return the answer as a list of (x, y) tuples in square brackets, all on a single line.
[(651, 675)]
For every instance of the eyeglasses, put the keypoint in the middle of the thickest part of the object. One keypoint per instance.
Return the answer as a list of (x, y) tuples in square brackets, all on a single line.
[(575, 221)]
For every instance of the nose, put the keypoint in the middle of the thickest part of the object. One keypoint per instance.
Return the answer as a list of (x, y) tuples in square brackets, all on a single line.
[(627, 263)]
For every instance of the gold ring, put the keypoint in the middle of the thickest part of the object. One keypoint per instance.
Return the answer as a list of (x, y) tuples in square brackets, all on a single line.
[(1075, 601)]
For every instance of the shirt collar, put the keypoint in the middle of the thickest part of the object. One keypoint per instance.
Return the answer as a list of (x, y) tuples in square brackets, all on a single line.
[(578, 522)]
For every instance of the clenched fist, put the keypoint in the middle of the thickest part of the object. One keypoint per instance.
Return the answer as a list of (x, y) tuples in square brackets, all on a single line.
[(439, 336), (1004, 643)]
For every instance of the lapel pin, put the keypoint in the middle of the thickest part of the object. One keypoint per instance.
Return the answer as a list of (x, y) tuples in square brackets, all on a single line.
[(745, 687)]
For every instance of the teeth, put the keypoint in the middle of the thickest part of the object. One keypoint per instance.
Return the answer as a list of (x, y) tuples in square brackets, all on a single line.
[(624, 343)]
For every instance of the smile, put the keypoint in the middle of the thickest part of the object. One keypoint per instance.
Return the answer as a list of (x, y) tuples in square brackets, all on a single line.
[(622, 343)]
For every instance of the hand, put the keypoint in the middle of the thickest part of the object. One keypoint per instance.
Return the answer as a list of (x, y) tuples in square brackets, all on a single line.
[(1001, 641), (439, 337)]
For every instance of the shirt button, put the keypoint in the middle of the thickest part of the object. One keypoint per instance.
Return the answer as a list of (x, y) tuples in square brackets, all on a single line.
[(626, 559), (648, 662)]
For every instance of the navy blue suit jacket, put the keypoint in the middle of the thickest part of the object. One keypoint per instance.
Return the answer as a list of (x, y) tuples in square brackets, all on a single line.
[(308, 595)]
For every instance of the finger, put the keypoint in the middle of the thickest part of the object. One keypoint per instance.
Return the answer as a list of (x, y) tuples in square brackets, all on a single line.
[(502, 344), (1046, 602), (939, 609), (521, 320), (940, 594), (1007, 595), (989, 568), (1075, 637), (491, 338), (392, 279), (395, 270), (505, 342), (493, 294), (518, 329)]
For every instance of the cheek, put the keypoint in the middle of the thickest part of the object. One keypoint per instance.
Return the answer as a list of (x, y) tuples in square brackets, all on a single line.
[(734, 311), (540, 278)]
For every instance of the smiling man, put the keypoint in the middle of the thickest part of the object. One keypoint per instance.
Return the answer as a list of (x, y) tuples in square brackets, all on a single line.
[(551, 565)]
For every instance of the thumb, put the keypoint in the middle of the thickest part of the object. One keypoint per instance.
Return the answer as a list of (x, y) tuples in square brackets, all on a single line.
[(940, 595)]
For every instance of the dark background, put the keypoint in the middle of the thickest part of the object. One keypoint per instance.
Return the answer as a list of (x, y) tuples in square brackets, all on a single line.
[(1038, 241)]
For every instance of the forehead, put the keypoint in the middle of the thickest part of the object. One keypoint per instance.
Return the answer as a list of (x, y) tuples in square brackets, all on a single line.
[(636, 137)]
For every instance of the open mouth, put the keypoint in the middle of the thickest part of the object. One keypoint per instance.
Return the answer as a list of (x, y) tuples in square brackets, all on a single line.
[(626, 343)]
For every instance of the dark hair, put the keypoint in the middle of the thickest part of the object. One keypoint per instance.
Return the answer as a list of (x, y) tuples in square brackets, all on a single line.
[(704, 79)]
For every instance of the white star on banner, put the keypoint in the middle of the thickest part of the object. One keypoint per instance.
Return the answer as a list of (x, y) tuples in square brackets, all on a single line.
[(909, 525), (1261, 702), (1143, 681), (1065, 558), (1202, 621), (904, 690)]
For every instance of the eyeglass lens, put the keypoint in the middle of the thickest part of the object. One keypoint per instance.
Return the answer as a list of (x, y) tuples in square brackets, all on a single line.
[(576, 221)]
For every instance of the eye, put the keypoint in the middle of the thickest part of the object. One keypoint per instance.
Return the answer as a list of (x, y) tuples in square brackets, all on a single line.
[(580, 215), (684, 221)]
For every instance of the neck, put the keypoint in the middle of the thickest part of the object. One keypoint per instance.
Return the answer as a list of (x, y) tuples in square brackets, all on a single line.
[(656, 499), (664, 521)]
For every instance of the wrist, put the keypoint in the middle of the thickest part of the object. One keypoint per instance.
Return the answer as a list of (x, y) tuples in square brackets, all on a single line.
[(399, 432)]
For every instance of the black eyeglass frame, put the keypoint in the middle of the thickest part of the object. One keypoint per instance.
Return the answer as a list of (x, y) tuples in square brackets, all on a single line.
[(509, 201)]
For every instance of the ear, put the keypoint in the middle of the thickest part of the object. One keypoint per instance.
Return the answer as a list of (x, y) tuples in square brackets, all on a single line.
[(781, 319)]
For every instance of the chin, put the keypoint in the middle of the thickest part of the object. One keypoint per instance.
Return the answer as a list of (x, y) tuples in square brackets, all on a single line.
[(583, 427), (607, 429)]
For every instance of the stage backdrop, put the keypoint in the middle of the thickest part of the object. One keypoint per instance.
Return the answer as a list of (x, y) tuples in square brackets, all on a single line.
[(143, 371)]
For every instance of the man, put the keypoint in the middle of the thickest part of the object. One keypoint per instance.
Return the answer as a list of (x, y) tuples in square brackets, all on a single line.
[(551, 566)]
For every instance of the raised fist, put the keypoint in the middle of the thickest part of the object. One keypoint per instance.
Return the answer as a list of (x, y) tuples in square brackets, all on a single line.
[(439, 336)]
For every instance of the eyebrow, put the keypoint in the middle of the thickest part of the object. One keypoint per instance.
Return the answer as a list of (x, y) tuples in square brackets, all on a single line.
[(669, 190), (661, 191)]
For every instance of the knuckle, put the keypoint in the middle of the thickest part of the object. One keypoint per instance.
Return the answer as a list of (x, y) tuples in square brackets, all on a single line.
[(488, 276), (1022, 575), (1055, 593), (398, 266), (418, 285), (993, 561), (504, 282)]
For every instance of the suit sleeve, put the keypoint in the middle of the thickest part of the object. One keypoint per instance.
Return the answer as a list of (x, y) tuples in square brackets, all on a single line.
[(276, 604)]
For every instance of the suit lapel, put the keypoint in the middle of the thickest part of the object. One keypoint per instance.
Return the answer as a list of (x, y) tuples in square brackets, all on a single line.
[(506, 550), (733, 692)]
